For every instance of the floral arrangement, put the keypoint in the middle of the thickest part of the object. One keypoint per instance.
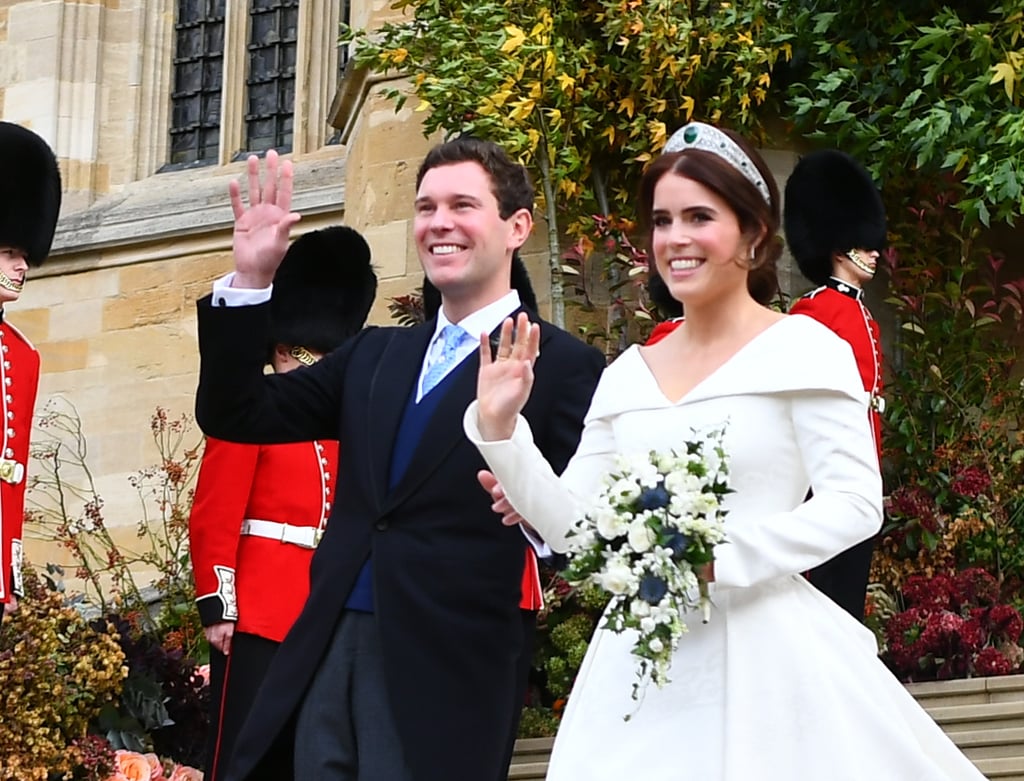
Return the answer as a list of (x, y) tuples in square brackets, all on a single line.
[(133, 766), (50, 690), (953, 627), (645, 542)]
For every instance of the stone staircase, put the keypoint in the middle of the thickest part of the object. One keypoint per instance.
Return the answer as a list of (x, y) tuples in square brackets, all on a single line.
[(983, 716), (530, 761)]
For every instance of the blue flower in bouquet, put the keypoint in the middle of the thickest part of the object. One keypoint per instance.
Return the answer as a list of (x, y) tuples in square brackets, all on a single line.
[(654, 498), (678, 543), (645, 539), (652, 589)]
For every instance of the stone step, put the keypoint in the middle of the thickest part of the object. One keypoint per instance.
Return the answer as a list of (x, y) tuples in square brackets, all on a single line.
[(993, 715), (973, 691), (991, 743), (527, 771), (1003, 769), (528, 748), (530, 760)]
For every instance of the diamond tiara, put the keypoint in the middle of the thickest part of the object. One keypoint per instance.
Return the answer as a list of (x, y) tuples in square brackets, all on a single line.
[(698, 135)]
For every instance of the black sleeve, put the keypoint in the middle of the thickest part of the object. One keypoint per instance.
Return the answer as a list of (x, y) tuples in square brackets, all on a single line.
[(237, 402)]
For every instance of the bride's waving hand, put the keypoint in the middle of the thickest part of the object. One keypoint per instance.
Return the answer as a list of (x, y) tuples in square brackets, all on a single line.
[(505, 381)]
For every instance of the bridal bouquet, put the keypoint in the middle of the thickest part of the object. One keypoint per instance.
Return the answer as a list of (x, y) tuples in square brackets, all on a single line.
[(645, 541)]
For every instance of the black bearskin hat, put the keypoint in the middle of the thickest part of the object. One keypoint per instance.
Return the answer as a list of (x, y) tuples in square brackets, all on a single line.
[(29, 205), (831, 206), (323, 290), (520, 283)]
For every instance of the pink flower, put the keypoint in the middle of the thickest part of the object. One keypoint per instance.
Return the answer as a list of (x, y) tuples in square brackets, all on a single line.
[(156, 767), (204, 673), (185, 773), (132, 766)]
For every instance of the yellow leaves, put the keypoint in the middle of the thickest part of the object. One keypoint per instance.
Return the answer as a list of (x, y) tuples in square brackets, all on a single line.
[(628, 105), (534, 136), (764, 80), (746, 38), (399, 55), (1004, 72), (787, 49), (566, 82), (515, 39), (549, 60), (568, 187), (658, 132), (637, 27), (609, 133), (423, 106), (521, 109), (687, 104)]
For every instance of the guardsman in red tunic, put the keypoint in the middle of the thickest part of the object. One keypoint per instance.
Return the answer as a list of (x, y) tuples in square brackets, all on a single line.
[(29, 205), (835, 228), (259, 510)]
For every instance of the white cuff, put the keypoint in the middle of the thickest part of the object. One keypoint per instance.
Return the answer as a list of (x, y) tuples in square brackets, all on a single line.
[(225, 295)]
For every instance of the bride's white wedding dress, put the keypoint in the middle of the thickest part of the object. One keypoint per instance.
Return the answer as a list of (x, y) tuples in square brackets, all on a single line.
[(781, 685)]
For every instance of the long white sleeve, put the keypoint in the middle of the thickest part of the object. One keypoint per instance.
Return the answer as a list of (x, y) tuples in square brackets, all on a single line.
[(548, 502)]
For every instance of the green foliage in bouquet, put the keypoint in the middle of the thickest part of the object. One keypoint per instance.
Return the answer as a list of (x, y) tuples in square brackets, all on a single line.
[(56, 674)]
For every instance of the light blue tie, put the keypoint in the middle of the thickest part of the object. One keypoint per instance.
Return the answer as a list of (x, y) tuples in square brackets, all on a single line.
[(452, 337)]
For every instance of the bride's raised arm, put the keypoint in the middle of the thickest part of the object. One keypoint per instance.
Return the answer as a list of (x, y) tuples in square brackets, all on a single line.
[(547, 502)]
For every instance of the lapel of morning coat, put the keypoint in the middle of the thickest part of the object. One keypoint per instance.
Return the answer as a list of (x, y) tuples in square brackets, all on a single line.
[(393, 382), (444, 430)]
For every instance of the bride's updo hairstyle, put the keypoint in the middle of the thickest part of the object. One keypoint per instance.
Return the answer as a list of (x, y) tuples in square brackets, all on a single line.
[(720, 160)]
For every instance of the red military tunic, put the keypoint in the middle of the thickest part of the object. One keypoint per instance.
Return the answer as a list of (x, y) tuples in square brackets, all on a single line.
[(840, 306), (255, 578), (19, 376)]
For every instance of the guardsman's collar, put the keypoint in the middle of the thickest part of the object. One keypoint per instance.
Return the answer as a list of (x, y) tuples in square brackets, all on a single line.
[(841, 286)]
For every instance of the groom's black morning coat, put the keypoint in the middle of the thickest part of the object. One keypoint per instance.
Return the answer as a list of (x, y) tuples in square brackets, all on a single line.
[(446, 572)]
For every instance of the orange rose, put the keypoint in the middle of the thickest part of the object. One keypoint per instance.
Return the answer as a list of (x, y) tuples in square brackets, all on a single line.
[(156, 768), (185, 773), (117, 777), (132, 766)]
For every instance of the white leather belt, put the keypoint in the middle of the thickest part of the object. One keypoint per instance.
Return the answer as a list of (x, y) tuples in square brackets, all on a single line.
[(303, 536)]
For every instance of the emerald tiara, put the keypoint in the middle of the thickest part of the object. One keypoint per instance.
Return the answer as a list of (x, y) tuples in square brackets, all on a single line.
[(698, 135)]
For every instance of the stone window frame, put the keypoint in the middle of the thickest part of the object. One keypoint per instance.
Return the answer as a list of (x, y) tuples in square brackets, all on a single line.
[(316, 82), (162, 205)]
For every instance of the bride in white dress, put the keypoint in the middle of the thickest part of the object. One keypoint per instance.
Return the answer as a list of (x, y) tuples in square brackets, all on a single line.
[(781, 685)]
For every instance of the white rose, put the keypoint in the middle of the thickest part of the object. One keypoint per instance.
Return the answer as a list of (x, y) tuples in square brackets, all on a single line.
[(648, 624), (640, 536), (625, 490), (656, 645), (617, 577), (639, 608), (610, 524)]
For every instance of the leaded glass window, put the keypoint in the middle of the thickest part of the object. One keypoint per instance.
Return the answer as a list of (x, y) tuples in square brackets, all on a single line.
[(272, 47), (198, 77)]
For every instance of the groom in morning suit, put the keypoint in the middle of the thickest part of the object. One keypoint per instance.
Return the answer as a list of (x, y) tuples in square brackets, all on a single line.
[(402, 666)]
